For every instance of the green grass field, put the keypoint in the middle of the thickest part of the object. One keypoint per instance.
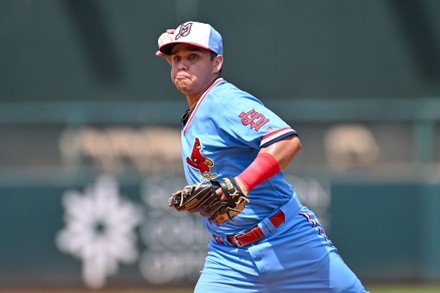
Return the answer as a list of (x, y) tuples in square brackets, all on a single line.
[(404, 289), (389, 288)]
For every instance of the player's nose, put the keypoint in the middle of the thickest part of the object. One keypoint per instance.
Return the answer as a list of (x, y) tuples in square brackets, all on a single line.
[(182, 65)]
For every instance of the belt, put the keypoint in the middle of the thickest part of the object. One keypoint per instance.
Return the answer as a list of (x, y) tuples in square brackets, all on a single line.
[(254, 234)]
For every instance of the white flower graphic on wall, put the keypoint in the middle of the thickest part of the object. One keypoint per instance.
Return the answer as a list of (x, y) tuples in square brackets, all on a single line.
[(100, 229)]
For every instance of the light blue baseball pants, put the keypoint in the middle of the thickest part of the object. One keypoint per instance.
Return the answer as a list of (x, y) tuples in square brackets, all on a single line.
[(297, 257)]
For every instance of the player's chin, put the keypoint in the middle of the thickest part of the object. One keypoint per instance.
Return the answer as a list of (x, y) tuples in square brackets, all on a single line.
[(182, 86)]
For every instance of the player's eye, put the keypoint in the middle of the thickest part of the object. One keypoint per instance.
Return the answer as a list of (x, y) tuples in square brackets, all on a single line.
[(177, 58), (192, 56)]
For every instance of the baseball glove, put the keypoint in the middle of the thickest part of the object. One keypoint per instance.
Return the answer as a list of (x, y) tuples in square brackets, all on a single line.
[(202, 198)]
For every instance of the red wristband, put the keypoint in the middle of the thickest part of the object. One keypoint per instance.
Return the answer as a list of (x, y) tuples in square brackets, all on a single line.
[(262, 168)]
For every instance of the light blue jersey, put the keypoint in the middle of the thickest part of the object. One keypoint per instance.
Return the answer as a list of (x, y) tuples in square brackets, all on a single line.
[(222, 137)]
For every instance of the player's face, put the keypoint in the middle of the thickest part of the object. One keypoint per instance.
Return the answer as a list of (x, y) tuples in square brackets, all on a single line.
[(192, 69)]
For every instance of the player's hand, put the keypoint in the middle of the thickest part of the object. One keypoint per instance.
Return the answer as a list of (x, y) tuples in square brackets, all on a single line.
[(240, 184), (203, 198), (165, 38)]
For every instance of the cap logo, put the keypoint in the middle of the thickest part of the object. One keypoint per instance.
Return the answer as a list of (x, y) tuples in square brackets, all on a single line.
[(184, 30)]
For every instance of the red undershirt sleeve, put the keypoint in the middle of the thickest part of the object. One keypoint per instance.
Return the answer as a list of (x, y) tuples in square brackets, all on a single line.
[(262, 168)]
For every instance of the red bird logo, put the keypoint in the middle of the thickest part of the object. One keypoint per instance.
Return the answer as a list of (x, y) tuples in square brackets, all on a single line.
[(200, 162)]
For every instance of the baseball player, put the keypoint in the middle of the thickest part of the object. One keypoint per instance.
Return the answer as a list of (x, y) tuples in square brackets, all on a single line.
[(268, 241)]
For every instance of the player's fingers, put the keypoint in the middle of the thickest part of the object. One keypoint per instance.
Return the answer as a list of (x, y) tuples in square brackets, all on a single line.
[(166, 57), (222, 195), (164, 39)]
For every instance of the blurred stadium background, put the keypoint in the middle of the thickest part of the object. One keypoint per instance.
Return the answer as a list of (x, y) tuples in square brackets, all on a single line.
[(90, 138)]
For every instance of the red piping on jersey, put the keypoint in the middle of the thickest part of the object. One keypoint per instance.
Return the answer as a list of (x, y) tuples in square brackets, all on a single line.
[(200, 101), (270, 136)]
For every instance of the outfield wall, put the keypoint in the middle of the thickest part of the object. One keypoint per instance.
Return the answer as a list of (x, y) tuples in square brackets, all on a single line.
[(64, 234)]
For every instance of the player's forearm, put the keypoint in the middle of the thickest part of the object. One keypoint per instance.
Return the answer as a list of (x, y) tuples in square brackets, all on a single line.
[(284, 150), (269, 161)]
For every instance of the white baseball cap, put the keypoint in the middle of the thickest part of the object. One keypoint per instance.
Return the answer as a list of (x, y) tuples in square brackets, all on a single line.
[(194, 33)]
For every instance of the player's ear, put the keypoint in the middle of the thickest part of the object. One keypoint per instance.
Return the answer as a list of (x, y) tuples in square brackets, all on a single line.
[(218, 62)]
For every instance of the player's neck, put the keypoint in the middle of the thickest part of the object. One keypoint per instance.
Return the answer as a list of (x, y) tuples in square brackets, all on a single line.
[(192, 102), (193, 99)]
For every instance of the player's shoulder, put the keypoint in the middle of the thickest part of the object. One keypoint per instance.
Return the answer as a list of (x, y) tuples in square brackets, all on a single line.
[(229, 94)]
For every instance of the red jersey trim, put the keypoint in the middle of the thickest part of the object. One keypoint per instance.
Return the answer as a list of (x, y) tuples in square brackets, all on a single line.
[(276, 134), (199, 102)]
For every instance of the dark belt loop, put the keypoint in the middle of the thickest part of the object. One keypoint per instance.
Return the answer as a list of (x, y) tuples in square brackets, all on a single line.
[(219, 240)]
